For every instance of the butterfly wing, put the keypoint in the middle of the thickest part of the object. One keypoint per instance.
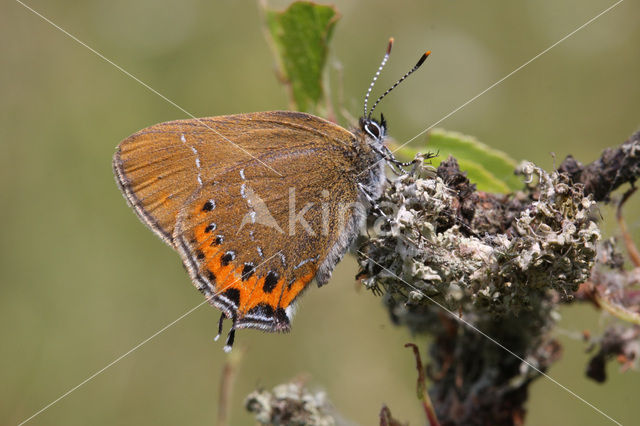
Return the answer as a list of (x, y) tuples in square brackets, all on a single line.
[(257, 205), (156, 171)]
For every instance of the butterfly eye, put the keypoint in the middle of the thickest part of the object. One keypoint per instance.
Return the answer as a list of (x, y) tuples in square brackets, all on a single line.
[(373, 129)]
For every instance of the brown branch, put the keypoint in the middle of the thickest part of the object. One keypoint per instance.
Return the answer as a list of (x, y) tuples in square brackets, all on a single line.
[(615, 167), (634, 255), (386, 419), (229, 371), (423, 395)]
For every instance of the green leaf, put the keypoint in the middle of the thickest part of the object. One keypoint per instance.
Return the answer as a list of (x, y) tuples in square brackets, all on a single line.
[(490, 169), (301, 36)]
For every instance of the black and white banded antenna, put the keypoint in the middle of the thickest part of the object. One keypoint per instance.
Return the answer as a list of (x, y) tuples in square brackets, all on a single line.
[(375, 77), (411, 71)]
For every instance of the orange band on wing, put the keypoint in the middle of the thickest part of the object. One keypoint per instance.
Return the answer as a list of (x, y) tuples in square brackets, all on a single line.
[(291, 291), (259, 296)]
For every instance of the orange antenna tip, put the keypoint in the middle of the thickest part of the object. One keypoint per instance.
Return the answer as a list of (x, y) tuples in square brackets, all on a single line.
[(422, 59), (390, 45)]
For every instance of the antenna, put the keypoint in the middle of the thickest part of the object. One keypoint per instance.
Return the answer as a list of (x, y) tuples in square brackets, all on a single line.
[(411, 71), (375, 77)]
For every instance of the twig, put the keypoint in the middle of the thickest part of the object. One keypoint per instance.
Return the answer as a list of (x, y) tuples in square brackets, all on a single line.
[(615, 167), (229, 372), (386, 419), (617, 310), (423, 395), (634, 255)]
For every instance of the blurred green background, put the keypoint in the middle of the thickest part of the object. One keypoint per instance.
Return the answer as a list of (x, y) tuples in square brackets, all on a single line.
[(83, 281)]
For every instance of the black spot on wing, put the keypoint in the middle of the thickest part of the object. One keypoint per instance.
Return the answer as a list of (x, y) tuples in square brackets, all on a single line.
[(208, 206), (247, 271), (270, 282), (228, 257), (281, 316), (233, 294), (262, 310)]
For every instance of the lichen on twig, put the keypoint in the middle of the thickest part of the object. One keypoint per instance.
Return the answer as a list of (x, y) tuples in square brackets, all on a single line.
[(500, 256)]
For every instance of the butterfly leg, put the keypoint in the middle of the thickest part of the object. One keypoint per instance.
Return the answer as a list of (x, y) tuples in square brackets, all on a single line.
[(222, 317), (392, 159), (230, 338), (388, 157), (374, 205), (394, 165)]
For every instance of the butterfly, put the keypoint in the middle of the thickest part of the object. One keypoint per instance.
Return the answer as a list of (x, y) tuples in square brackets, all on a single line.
[(257, 205)]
